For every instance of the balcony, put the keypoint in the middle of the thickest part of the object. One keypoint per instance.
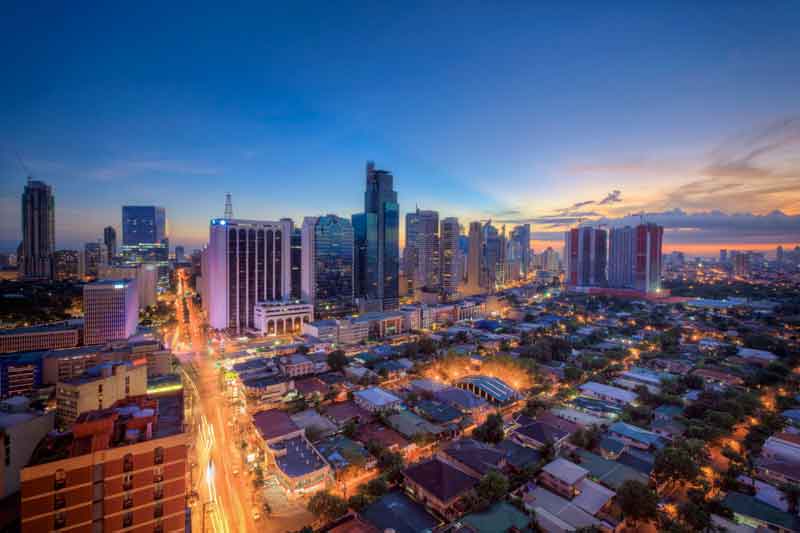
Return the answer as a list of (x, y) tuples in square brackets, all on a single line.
[(127, 484), (158, 494), (158, 511), (127, 520), (59, 484), (60, 502), (59, 522), (127, 503), (127, 466)]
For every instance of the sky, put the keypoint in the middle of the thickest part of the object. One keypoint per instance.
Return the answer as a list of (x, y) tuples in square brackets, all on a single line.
[(511, 111)]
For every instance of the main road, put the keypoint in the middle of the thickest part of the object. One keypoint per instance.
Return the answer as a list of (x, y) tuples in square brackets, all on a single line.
[(225, 497)]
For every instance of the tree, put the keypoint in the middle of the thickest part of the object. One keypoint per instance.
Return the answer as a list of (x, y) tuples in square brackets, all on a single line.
[(337, 360), (680, 463), (792, 493), (490, 431), (327, 506), (637, 501), (427, 346), (696, 517), (375, 488), (493, 486)]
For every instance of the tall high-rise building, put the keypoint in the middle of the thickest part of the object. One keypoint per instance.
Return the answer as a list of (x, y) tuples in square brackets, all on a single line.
[(180, 254), (586, 255), (493, 256), (146, 277), (377, 245), (519, 250), (635, 257), (94, 255), (449, 253), (247, 261), (144, 238), (143, 224), (723, 255), (421, 257), (741, 264), (110, 240), (297, 264), (110, 310), (327, 271), (38, 231), (475, 271), (67, 264)]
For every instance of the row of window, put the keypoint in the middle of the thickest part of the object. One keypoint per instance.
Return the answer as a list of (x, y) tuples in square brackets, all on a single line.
[(127, 466), (60, 519)]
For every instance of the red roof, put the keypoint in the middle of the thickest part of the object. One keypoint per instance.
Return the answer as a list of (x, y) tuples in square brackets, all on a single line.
[(386, 437), (274, 423)]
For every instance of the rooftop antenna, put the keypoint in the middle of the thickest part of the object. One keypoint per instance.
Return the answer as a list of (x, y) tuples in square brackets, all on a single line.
[(228, 206), (25, 168)]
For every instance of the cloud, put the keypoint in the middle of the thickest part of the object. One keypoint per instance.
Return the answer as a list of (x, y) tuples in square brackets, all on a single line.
[(127, 169), (611, 198)]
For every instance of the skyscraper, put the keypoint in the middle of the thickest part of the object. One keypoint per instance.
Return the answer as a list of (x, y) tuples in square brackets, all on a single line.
[(327, 271), (520, 250), (421, 255), (475, 273), (635, 257), (377, 245), (180, 254), (38, 231), (247, 261), (67, 264), (586, 255), (143, 224), (297, 264), (110, 310), (94, 255), (493, 256), (110, 240), (448, 255)]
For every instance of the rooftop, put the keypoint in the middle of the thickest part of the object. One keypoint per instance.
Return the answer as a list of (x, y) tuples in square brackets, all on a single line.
[(274, 423), (566, 471), (41, 328), (749, 506), (400, 513), (377, 396), (440, 479), (300, 458), (493, 387), (476, 455)]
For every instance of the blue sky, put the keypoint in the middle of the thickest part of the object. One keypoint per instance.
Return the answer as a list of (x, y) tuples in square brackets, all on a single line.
[(514, 111)]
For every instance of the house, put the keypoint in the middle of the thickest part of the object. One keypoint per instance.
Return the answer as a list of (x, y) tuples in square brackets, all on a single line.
[(537, 434), (608, 393), (750, 510), (562, 477), (717, 377), (297, 365), (635, 436), (438, 485), (473, 457), (782, 446), (502, 516), (668, 429), (396, 511), (376, 399), (667, 412), (611, 448), (376, 433)]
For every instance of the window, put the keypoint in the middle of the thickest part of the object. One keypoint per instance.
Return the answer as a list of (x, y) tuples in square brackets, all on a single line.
[(158, 527), (158, 510), (127, 481), (158, 455), (61, 479), (158, 474), (158, 493), (60, 520), (127, 519), (127, 462), (127, 501), (60, 502), (7, 444)]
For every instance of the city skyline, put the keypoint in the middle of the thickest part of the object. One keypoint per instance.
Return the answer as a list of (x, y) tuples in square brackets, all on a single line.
[(594, 127)]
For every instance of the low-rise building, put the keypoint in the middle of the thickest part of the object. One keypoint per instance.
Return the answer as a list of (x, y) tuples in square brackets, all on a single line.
[(297, 365), (608, 393), (100, 387), (438, 485), (375, 399), (119, 468), (281, 318), (21, 429), (45, 337)]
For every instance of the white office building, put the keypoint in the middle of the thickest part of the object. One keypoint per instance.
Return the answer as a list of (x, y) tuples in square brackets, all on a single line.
[(246, 262)]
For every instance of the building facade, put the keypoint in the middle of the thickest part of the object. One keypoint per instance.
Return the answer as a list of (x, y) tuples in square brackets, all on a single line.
[(110, 240), (476, 282), (377, 248), (143, 224), (46, 337), (586, 255), (123, 469), (327, 265), (635, 257), (146, 277), (282, 318), (38, 231), (100, 387), (67, 264), (421, 255), (248, 261), (110, 310), (449, 253)]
